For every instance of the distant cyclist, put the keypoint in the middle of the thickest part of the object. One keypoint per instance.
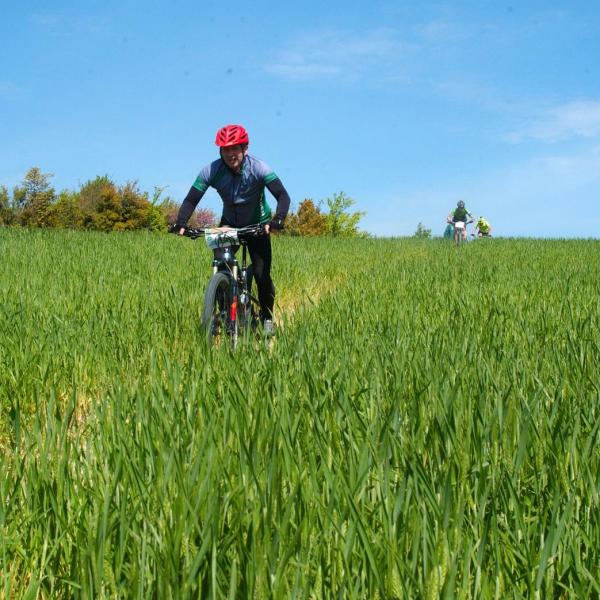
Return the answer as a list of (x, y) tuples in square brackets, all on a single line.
[(240, 180), (483, 228), (460, 214)]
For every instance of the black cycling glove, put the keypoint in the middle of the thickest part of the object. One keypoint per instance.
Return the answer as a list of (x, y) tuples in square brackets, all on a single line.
[(276, 224)]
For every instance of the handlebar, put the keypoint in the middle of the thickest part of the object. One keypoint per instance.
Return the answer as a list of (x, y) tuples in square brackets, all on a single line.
[(248, 231)]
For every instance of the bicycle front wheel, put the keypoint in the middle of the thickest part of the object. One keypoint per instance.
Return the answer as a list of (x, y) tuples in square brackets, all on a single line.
[(216, 321)]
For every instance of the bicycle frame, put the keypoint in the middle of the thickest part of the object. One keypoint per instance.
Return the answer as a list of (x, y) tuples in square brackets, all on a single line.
[(239, 278)]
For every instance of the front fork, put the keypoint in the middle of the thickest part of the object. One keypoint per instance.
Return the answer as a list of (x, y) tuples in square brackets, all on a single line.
[(234, 297)]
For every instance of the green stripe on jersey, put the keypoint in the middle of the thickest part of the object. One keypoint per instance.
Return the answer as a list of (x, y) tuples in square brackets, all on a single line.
[(270, 177), (200, 184), (263, 213)]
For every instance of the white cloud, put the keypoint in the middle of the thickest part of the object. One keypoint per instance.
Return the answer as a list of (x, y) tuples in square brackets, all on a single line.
[(299, 68), (577, 119), (479, 94), (546, 177), (334, 53), (67, 24), (46, 20), (552, 195), (544, 195), (444, 31)]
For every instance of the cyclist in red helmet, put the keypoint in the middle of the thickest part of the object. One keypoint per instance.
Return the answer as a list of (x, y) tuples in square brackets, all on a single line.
[(240, 180)]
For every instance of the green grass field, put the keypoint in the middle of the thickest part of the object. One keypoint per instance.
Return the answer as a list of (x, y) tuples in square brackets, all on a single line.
[(425, 425)]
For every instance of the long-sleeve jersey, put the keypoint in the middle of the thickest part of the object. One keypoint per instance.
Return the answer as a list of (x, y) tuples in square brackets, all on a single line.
[(459, 214), (243, 193), (483, 225)]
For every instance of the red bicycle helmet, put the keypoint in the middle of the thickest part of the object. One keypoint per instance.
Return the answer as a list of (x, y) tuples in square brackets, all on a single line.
[(231, 135)]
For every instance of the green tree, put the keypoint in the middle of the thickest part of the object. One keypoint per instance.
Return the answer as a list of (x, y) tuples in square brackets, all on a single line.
[(339, 221), (34, 198), (108, 213), (106, 207), (91, 195), (67, 212), (7, 213), (135, 207), (157, 220), (309, 220), (422, 232)]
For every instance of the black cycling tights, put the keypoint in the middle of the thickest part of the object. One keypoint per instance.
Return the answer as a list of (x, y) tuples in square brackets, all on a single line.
[(259, 248)]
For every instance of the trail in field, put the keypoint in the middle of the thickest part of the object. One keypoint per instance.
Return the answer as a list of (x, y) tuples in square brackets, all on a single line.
[(299, 300), (336, 273)]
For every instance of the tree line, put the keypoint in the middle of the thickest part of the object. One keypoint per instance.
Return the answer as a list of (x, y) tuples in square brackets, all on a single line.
[(99, 204), (102, 205)]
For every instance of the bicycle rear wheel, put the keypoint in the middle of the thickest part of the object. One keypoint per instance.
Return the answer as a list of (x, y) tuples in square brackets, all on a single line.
[(216, 321)]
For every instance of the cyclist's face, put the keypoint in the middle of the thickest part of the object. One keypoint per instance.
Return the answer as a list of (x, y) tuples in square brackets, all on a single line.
[(233, 156)]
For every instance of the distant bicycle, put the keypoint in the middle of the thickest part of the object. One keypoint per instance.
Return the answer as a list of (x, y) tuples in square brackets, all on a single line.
[(460, 232), (230, 308)]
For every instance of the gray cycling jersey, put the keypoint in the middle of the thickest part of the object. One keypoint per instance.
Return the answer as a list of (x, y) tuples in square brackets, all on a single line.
[(243, 194)]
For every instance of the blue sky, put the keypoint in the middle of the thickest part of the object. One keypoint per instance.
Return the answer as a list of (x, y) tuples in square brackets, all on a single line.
[(406, 107)]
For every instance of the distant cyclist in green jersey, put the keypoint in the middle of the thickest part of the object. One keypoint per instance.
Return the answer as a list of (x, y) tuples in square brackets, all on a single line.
[(483, 228), (460, 214), (240, 180)]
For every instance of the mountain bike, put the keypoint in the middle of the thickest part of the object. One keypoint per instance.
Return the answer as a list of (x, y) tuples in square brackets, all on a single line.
[(230, 308)]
